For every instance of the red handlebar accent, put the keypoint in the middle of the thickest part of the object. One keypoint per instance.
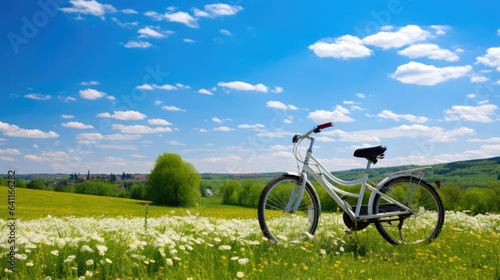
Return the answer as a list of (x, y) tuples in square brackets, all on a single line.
[(325, 125)]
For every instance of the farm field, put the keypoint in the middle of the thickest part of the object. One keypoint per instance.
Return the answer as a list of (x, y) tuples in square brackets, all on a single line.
[(69, 236)]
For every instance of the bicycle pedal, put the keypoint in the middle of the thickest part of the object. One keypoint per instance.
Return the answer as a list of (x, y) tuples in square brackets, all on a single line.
[(348, 231)]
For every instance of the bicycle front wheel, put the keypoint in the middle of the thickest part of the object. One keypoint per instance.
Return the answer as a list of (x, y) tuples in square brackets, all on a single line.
[(421, 226), (282, 225)]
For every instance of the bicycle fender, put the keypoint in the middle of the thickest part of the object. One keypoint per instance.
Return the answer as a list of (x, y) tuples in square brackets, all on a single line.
[(296, 175)]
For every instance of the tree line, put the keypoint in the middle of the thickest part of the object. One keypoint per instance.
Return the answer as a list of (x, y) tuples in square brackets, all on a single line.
[(476, 200)]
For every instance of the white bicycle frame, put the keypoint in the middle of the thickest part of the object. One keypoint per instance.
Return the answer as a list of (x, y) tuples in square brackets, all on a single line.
[(323, 177)]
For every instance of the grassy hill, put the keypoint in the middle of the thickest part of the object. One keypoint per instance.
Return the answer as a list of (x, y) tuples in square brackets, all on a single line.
[(34, 204)]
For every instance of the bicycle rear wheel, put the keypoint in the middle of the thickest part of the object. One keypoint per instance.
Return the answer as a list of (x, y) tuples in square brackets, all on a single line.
[(283, 226), (423, 225)]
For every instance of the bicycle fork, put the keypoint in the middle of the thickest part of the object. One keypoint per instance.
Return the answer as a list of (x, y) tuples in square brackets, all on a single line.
[(297, 194)]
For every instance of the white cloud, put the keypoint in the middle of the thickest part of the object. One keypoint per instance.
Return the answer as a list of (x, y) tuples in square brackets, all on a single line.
[(15, 131), (387, 114), (163, 87), (173, 108), (237, 85), (482, 113), (182, 17), (175, 143), (344, 47), (77, 125), (277, 90), (158, 122), (205, 91), (487, 140), (360, 95), (230, 158), (434, 134), (257, 126), (129, 11), (125, 24), (440, 29), (280, 105), (10, 151), (67, 99), (275, 134), (225, 32), (223, 128), (67, 116), (478, 79), (91, 94), (137, 156), (35, 158), (498, 32), (94, 137), (403, 36), (38, 96), (428, 75), (340, 114), (137, 44), (431, 51), (187, 40), (2, 158), (217, 120), (181, 86), (216, 10), (89, 83), (139, 129), (148, 32), (89, 7), (123, 115), (491, 58)]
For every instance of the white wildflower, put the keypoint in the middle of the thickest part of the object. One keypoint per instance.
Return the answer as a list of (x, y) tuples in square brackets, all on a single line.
[(70, 258), (243, 261), (102, 249), (224, 247), (86, 248)]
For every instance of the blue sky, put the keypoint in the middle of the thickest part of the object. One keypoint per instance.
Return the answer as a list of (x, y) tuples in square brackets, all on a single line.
[(107, 86)]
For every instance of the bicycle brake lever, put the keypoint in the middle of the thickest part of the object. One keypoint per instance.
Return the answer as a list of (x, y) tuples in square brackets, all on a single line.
[(295, 138)]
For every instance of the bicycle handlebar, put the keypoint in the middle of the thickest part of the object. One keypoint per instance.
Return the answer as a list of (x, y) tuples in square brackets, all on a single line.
[(316, 129)]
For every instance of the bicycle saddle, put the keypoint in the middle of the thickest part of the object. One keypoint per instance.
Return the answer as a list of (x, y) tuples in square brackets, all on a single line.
[(371, 153)]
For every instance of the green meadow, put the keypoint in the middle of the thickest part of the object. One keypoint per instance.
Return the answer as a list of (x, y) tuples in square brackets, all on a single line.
[(71, 236), (34, 204)]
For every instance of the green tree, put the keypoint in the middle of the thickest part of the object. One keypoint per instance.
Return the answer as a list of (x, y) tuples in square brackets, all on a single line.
[(478, 200), (137, 191), (174, 182), (96, 188), (230, 191), (36, 184), (451, 194)]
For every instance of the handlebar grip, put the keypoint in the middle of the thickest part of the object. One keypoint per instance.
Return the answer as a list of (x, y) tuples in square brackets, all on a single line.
[(325, 125)]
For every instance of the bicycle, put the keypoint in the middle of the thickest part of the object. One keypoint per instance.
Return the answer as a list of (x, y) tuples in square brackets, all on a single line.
[(404, 208)]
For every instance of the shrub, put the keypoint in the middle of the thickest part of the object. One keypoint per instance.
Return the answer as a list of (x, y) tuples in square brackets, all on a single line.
[(174, 182)]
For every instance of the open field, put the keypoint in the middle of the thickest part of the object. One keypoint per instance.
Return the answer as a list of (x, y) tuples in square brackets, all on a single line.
[(34, 204), (87, 237)]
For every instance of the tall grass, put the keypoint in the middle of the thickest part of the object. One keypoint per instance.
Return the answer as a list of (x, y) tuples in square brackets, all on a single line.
[(198, 247)]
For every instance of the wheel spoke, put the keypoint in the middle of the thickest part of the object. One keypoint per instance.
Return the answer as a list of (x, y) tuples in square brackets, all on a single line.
[(279, 225)]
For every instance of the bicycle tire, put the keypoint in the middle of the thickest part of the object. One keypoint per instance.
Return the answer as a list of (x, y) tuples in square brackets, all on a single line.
[(423, 226), (279, 226)]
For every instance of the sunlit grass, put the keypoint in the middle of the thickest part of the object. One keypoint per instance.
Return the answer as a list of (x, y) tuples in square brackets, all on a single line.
[(35, 204)]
